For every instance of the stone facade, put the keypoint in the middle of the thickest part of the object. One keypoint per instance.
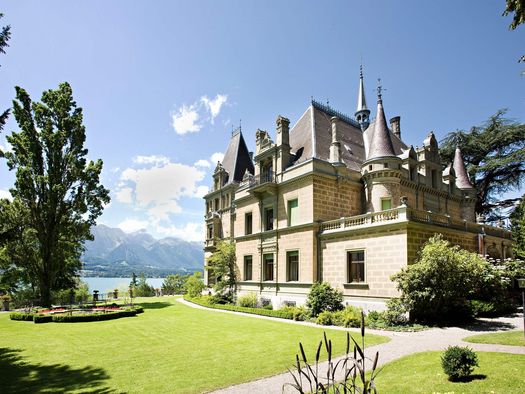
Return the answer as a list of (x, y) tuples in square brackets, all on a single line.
[(340, 201)]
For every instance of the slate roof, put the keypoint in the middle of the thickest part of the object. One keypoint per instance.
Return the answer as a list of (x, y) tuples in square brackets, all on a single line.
[(237, 158), (462, 181), (311, 136), (381, 144)]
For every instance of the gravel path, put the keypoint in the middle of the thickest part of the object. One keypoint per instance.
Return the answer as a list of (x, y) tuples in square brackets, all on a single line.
[(401, 344)]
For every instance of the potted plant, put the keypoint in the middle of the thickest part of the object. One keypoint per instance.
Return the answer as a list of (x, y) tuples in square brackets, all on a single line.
[(5, 301)]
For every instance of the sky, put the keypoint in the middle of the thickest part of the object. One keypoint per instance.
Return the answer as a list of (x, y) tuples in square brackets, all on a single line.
[(162, 83)]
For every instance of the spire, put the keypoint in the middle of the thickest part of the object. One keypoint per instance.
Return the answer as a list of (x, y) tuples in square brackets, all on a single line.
[(362, 112), (462, 181), (361, 100), (381, 144)]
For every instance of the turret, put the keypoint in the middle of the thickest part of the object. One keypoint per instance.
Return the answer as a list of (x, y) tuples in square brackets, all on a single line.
[(468, 205), (362, 113)]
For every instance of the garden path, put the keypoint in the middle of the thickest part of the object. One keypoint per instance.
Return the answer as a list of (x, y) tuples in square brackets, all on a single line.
[(400, 344)]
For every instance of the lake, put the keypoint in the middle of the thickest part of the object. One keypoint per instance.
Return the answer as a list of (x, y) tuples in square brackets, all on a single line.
[(105, 285)]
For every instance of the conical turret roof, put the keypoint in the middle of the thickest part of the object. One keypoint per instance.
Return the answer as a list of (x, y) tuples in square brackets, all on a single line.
[(462, 181), (381, 144)]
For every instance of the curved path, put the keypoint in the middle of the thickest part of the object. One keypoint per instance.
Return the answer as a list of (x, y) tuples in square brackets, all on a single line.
[(400, 344)]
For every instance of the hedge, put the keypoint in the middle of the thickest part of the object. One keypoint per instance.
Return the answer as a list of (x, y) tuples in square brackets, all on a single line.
[(42, 318), (21, 316), (94, 316), (255, 311)]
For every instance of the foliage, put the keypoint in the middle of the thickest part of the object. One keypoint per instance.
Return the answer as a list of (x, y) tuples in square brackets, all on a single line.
[(82, 318), (395, 313), (248, 300), (298, 313), (517, 226), (194, 285), (325, 318), (21, 316), (459, 362), (518, 8), (143, 289), (5, 35), (57, 195), (438, 286), (494, 155), (174, 284), (38, 318), (307, 377), (323, 297), (221, 266)]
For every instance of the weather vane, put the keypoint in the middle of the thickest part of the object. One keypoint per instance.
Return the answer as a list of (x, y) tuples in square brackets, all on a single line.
[(380, 88)]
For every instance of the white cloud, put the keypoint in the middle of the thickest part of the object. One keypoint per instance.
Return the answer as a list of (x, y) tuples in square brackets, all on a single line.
[(202, 163), (125, 195), (214, 105), (6, 194), (132, 225), (185, 120), (153, 159), (201, 191), (6, 148), (190, 232), (217, 156)]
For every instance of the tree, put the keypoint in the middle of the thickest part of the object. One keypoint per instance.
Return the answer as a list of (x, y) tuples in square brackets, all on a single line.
[(518, 8), (221, 265), (143, 289), (194, 285), (517, 226), (174, 284), (5, 35), (494, 155), (57, 195)]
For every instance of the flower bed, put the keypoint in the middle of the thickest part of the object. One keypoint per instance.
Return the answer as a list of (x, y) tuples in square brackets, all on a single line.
[(63, 315)]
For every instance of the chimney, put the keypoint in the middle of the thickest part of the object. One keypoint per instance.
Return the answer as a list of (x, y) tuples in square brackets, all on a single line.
[(335, 147), (395, 126), (251, 156), (283, 131)]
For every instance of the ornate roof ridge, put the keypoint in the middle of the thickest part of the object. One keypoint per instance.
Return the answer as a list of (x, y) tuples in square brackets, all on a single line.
[(332, 112)]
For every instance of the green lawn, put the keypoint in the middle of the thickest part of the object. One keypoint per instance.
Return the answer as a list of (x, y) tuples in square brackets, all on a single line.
[(498, 373), (513, 338), (170, 348)]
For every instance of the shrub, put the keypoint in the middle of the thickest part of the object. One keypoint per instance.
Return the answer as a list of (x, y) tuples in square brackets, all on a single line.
[(21, 316), (248, 300), (437, 287), (323, 297), (194, 285), (459, 362), (299, 313), (65, 318), (42, 318), (325, 318), (395, 313), (268, 307)]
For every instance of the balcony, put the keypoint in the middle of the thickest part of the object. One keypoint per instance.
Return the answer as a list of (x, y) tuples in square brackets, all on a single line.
[(265, 183), (210, 243)]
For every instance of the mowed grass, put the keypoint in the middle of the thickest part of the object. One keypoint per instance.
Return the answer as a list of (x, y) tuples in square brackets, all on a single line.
[(170, 348), (498, 373), (512, 338)]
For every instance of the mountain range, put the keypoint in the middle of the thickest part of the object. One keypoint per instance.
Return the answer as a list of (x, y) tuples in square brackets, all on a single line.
[(114, 253)]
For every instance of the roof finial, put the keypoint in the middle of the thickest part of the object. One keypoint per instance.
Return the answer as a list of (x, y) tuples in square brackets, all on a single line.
[(379, 89)]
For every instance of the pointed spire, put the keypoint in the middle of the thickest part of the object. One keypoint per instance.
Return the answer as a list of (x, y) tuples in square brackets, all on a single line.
[(381, 144), (362, 113), (462, 181), (361, 99)]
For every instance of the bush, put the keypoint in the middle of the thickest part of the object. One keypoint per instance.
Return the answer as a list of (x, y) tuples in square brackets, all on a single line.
[(248, 300), (268, 307), (21, 316), (194, 285), (299, 313), (323, 297), (66, 318), (396, 313), (42, 318), (459, 362), (438, 286), (325, 318)]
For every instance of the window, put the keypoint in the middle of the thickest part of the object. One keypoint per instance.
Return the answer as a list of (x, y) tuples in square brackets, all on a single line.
[(385, 165), (292, 266), (356, 266), (268, 219), (268, 266), (248, 223), (216, 204), (210, 231), (434, 178), (386, 203), (293, 212), (248, 265)]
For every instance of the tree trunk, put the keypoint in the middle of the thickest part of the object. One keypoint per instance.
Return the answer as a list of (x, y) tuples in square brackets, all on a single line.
[(45, 294)]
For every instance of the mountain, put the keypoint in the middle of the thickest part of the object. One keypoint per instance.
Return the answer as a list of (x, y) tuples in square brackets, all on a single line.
[(116, 253)]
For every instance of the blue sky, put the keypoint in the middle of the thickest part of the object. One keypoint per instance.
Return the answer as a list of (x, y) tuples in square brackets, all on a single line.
[(162, 83)]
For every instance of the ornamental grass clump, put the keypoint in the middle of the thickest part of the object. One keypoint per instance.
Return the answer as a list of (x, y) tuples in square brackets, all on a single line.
[(459, 362), (347, 375)]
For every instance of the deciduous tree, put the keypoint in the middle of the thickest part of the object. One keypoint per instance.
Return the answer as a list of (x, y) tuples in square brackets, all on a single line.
[(57, 195), (221, 265)]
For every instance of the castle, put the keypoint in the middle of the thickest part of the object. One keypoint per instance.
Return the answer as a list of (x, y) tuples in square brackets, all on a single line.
[(338, 199)]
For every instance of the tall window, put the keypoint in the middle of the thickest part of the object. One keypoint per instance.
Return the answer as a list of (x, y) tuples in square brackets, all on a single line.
[(292, 266), (268, 266), (268, 219), (356, 266), (210, 231), (386, 203), (248, 223), (293, 212), (248, 267)]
